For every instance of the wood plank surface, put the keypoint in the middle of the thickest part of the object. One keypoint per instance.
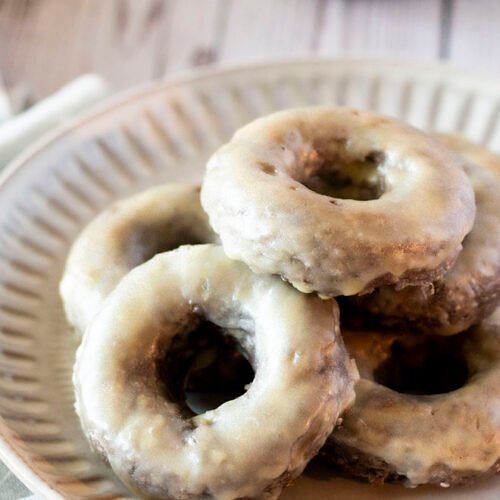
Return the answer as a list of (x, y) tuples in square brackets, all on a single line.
[(193, 37), (392, 28), (475, 34), (47, 42), (268, 30), (44, 43)]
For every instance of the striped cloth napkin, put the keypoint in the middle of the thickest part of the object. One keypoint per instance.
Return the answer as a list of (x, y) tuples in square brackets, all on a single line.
[(19, 128)]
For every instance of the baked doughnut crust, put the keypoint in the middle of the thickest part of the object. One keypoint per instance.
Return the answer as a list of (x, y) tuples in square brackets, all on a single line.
[(125, 235), (443, 439), (249, 447), (470, 290), (262, 192)]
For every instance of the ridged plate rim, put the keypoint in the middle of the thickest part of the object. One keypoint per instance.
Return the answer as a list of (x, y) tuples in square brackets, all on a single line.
[(20, 465)]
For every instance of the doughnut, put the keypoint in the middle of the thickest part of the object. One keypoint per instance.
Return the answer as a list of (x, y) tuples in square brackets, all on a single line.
[(125, 235), (338, 201), (248, 447), (470, 290), (469, 149), (426, 409)]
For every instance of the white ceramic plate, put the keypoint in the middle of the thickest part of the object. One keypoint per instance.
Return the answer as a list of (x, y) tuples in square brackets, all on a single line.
[(165, 132)]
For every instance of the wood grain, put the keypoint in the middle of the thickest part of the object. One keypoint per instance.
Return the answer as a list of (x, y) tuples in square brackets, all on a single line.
[(47, 42), (475, 34), (392, 28), (331, 27), (267, 30), (193, 35)]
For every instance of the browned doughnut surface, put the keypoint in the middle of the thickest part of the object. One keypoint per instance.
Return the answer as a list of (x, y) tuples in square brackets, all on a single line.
[(470, 290), (249, 447), (338, 201), (125, 235), (427, 409)]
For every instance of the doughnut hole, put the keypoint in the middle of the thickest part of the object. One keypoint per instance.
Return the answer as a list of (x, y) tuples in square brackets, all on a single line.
[(434, 366), (143, 241), (408, 363), (339, 176), (203, 369)]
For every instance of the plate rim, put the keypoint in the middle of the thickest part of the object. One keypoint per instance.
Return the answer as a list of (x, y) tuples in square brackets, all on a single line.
[(20, 467), (138, 91), (16, 462)]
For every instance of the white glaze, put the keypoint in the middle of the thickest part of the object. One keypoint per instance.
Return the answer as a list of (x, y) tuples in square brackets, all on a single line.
[(427, 438), (169, 215), (337, 246), (470, 290), (243, 448)]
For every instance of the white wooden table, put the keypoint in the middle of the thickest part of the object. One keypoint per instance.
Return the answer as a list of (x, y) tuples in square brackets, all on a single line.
[(45, 43)]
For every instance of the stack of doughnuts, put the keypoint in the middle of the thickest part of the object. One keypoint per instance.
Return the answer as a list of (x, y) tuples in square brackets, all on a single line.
[(299, 211)]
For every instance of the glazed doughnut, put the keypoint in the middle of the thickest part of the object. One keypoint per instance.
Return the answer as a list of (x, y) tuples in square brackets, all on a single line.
[(469, 149), (249, 447), (470, 290), (439, 423), (124, 236), (338, 201)]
